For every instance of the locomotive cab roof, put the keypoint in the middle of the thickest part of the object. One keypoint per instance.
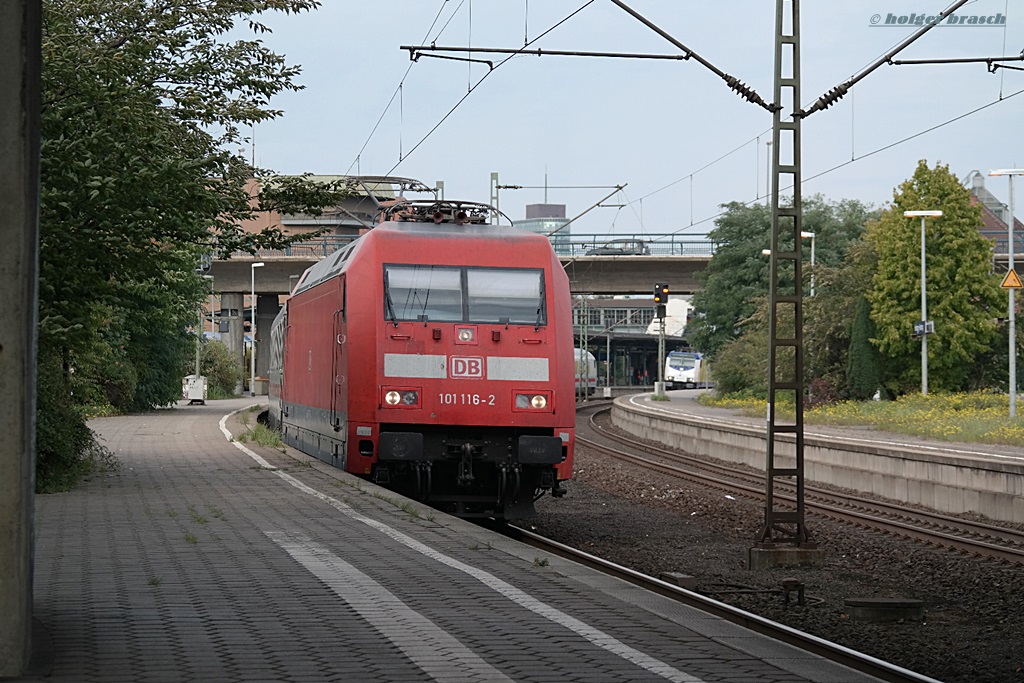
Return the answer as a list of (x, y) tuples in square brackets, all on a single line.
[(404, 219)]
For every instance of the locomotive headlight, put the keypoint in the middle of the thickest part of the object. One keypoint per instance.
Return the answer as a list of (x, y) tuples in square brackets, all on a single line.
[(532, 402), (465, 335), (402, 398)]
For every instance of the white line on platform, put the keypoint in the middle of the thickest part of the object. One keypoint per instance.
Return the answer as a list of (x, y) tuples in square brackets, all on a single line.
[(426, 644), (593, 635)]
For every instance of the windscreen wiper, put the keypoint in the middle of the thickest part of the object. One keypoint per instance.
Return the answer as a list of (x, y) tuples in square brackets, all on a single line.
[(388, 304), (543, 305)]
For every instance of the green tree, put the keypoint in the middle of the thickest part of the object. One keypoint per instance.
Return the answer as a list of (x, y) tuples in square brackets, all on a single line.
[(962, 292), (741, 364), (142, 101), (738, 272), (863, 376), (827, 321), (735, 276)]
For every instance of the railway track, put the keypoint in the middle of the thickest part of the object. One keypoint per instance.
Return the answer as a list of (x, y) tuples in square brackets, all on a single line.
[(1004, 545), (982, 540), (855, 660)]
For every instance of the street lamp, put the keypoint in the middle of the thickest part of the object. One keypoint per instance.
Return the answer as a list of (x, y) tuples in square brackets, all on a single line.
[(804, 234), (252, 331), (1010, 172), (924, 299)]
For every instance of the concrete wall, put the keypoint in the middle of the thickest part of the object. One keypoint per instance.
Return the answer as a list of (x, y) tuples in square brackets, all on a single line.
[(19, 234), (232, 314), (951, 483)]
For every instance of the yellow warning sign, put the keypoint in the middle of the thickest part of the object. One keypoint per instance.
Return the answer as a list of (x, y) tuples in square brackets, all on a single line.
[(1011, 281)]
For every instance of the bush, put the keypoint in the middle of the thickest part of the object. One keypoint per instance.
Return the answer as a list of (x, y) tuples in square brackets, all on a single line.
[(66, 449), (742, 366), (222, 368)]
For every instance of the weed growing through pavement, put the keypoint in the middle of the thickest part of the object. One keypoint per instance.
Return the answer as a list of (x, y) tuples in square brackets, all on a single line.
[(191, 538), (196, 517), (216, 512), (407, 507), (173, 514), (540, 562), (411, 510), (153, 581), (262, 435)]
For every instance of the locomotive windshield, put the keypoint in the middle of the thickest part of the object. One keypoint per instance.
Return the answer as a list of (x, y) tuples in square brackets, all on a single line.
[(452, 294)]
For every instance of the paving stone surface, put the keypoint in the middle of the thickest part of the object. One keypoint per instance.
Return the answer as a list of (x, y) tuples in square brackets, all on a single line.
[(192, 561)]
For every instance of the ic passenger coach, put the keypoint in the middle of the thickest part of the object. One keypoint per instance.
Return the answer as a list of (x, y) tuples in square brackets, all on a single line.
[(433, 355)]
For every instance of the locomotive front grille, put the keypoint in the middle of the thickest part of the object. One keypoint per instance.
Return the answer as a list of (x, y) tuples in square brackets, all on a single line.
[(486, 444)]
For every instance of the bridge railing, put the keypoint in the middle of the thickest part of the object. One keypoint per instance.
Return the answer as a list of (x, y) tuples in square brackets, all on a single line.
[(316, 248), (565, 245), (640, 244)]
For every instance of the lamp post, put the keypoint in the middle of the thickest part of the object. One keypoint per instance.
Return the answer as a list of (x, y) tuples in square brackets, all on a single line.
[(252, 332), (804, 234), (924, 298), (1011, 247)]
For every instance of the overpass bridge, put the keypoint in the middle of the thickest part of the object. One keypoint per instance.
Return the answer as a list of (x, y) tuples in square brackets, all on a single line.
[(587, 260), (670, 259)]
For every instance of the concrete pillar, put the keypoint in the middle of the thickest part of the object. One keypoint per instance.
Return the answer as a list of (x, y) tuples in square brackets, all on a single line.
[(267, 307), (232, 312), (19, 233)]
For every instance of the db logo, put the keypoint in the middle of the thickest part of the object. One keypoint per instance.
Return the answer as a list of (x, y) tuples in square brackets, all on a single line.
[(467, 367)]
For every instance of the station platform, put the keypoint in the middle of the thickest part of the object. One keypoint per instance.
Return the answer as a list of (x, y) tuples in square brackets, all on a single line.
[(202, 558), (951, 477)]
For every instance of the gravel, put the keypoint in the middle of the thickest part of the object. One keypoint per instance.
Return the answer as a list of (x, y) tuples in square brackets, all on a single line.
[(973, 630)]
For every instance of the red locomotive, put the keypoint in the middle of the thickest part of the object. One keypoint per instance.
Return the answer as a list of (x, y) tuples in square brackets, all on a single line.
[(433, 355)]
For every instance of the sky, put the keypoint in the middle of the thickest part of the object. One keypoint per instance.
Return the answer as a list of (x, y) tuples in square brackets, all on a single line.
[(671, 131)]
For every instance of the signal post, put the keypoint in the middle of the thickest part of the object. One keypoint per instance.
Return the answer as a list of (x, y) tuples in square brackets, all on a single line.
[(660, 300)]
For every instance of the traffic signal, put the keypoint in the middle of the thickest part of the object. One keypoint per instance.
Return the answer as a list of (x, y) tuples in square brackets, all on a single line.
[(660, 293)]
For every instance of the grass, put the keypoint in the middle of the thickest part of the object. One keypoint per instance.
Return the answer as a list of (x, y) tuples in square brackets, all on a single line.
[(978, 417), (191, 538), (262, 435), (196, 517)]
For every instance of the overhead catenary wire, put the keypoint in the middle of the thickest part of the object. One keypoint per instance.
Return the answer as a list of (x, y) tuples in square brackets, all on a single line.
[(886, 58), (387, 107), (873, 152), (483, 78), (844, 88), (836, 93)]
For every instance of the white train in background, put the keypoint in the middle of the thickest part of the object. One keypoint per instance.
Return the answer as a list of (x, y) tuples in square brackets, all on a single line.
[(586, 373), (684, 370)]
